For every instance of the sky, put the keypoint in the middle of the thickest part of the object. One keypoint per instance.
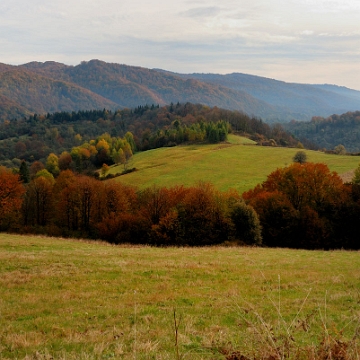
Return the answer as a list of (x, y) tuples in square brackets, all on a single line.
[(306, 41)]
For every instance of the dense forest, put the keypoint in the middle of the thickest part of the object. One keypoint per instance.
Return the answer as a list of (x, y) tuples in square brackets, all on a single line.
[(327, 133), (35, 137)]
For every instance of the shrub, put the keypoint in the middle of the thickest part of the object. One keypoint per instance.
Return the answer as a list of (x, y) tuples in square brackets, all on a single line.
[(246, 223), (300, 157)]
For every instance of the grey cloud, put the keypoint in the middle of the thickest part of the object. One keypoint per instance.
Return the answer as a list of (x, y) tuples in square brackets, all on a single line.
[(202, 12)]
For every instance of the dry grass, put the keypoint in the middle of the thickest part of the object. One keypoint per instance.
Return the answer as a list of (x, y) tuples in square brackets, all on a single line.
[(348, 176), (65, 299)]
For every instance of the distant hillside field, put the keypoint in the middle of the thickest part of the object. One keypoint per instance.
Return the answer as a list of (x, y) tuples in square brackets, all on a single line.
[(237, 164), (66, 299)]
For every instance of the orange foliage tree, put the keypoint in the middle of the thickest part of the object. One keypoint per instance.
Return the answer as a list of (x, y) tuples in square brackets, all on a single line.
[(296, 205), (11, 193), (37, 206), (199, 215), (116, 213)]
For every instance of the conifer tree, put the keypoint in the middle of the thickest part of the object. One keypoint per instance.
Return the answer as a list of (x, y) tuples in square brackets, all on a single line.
[(24, 172)]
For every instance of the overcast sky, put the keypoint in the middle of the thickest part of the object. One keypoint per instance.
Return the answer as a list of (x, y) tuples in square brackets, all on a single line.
[(307, 41)]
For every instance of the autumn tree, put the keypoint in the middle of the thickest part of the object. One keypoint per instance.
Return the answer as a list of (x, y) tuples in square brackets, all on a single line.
[(154, 202), (116, 220), (66, 201), (104, 170), (296, 205), (309, 184), (118, 156), (11, 192), (130, 139), (202, 216), (35, 167), (65, 161), (52, 164), (38, 201), (78, 200), (340, 149), (87, 190)]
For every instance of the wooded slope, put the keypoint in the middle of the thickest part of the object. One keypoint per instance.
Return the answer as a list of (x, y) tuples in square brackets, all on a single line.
[(47, 87)]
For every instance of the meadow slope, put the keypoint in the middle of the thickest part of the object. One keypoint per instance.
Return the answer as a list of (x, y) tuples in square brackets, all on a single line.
[(237, 164), (67, 299)]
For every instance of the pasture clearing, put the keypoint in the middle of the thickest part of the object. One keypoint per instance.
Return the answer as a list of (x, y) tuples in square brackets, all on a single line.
[(71, 299), (237, 164)]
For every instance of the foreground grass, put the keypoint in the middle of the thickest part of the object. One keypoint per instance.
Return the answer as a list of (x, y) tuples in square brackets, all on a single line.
[(67, 299), (235, 165)]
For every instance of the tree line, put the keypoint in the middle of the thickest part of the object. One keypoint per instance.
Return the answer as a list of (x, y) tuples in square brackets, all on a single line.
[(34, 137), (299, 206), (106, 150), (81, 206)]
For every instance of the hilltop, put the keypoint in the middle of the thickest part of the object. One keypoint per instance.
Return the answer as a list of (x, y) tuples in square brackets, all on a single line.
[(50, 86)]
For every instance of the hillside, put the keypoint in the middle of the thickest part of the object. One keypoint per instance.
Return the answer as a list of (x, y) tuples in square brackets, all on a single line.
[(35, 137), (129, 86), (50, 86), (11, 109), (331, 131), (293, 101), (39, 94), (237, 165)]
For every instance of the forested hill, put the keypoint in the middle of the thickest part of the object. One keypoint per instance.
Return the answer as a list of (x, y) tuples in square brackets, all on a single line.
[(331, 131), (49, 87), (36, 93), (35, 137), (299, 101)]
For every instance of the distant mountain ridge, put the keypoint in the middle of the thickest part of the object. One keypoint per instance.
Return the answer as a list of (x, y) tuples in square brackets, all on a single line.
[(294, 99), (51, 86)]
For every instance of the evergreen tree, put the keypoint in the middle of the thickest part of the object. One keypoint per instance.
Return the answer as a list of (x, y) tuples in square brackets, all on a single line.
[(247, 224), (356, 178), (24, 172)]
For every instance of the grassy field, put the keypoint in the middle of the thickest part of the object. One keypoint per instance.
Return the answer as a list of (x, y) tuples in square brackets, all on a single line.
[(67, 299), (235, 165)]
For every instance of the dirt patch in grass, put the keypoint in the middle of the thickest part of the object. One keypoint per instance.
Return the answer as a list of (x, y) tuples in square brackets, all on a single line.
[(347, 176)]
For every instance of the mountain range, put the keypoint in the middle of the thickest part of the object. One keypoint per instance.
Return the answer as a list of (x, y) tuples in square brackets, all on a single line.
[(38, 87)]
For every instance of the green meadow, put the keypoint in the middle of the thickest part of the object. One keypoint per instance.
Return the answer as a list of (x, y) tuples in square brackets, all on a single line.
[(72, 299), (238, 164)]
